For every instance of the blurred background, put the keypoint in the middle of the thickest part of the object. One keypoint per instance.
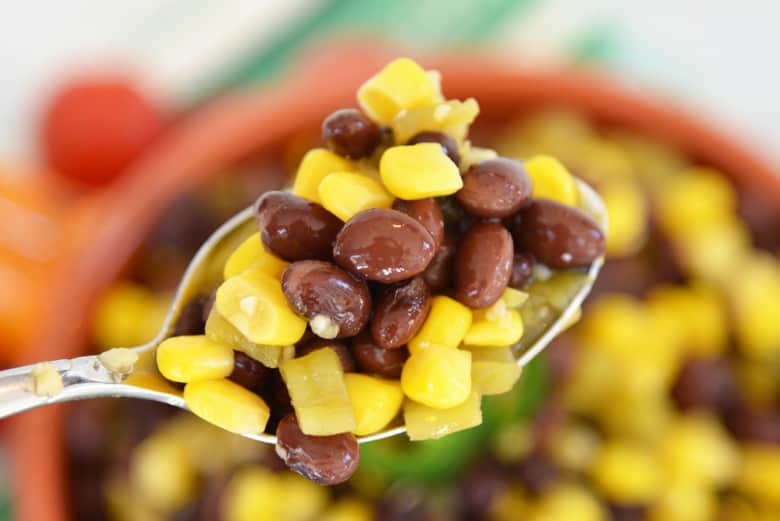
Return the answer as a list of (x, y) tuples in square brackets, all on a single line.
[(711, 55), (663, 404)]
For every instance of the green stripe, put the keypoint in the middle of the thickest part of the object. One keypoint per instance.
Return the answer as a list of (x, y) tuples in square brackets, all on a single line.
[(428, 23)]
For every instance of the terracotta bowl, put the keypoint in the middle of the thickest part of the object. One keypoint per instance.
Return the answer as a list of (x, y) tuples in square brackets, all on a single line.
[(105, 229)]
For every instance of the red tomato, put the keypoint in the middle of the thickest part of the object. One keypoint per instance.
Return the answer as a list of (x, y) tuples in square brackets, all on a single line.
[(93, 128)]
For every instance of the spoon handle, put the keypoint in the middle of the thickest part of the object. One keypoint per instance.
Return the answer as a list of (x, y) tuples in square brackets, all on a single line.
[(83, 377)]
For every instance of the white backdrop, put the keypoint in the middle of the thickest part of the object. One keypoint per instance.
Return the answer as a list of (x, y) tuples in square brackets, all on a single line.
[(719, 57)]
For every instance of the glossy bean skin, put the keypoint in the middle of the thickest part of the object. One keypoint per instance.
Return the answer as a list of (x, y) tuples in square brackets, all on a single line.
[(191, 321), (327, 460), (483, 264), (522, 270), (557, 235), (446, 141), (428, 213), (349, 133), (400, 312), (378, 361), (438, 274), (248, 372), (495, 188), (295, 229), (321, 288), (342, 351), (383, 245)]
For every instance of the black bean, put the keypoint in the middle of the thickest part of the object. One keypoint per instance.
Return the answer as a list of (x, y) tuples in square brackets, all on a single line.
[(327, 460), (349, 133)]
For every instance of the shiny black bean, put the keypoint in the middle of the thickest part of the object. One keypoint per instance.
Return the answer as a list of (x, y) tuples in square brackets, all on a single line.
[(327, 460)]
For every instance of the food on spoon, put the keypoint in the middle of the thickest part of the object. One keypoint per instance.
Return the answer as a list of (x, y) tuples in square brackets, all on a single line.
[(385, 282), (717, 386), (46, 380)]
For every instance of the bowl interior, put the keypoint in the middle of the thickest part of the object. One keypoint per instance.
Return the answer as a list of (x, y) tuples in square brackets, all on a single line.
[(106, 229)]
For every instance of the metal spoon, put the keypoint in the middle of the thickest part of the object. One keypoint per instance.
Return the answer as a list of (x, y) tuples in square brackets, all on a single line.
[(87, 377)]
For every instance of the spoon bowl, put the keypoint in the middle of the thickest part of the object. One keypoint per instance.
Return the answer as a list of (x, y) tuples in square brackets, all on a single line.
[(88, 377)]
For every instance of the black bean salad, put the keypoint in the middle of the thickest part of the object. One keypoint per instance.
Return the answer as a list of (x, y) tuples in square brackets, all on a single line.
[(675, 417), (387, 287)]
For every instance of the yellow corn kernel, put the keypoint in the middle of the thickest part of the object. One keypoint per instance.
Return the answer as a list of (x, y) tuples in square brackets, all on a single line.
[(621, 328), (513, 442), (315, 166), (556, 289), (494, 370), (600, 160), (446, 325), (128, 315), (698, 313), (435, 78), (220, 330), (122, 503), (685, 502), (303, 500), (199, 438), (574, 446), (755, 299), (627, 212), (617, 412), (349, 509), (591, 381), (257, 494), (429, 423), (697, 450), (514, 298), (695, 200), (419, 171), (552, 180), (194, 358), (627, 473), (402, 84), (375, 401), (162, 473), (439, 377), (254, 304), (567, 502), (319, 394), (153, 382), (714, 254), (252, 254), (450, 117), (495, 326), (344, 194), (227, 405), (254, 494), (758, 473)]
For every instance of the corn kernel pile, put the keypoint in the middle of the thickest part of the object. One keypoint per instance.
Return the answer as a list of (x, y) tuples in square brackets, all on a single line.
[(372, 203)]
